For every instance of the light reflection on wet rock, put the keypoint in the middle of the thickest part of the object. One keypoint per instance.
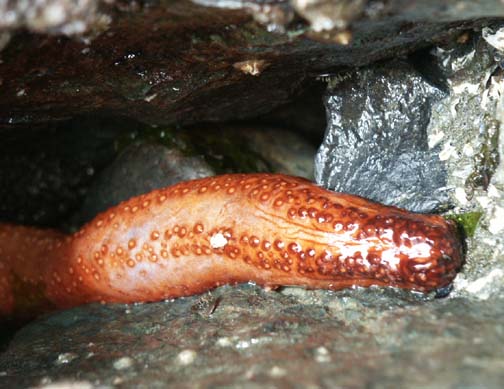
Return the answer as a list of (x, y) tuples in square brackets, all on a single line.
[(376, 144)]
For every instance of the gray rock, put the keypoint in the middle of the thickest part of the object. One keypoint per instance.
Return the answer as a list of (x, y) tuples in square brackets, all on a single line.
[(140, 168), (257, 149), (283, 150), (376, 145), (462, 134), (327, 15), (248, 338), (466, 128)]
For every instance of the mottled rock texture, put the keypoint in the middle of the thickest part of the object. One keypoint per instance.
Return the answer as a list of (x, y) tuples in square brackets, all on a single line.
[(245, 337)]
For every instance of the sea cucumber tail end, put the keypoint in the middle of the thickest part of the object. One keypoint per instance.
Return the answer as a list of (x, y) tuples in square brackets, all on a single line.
[(25, 260)]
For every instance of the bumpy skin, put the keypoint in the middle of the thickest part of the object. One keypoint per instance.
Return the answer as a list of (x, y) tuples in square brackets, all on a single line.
[(196, 235)]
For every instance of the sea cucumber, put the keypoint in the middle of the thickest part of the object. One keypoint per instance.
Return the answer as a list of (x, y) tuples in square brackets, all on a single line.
[(182, 240)]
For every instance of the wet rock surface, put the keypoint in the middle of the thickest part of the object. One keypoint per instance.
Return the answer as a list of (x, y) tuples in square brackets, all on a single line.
[(164, 62), (376, 145), (451, 159), (247, 337), (243, 336)]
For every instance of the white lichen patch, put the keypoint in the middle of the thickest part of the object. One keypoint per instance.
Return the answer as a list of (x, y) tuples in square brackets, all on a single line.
[(65, 358), (468, 150), (328, 15), (464, 127), (67, 17), (461, 196), (493, 192), (123, 363), (466, 87), (484, 201), (460, 62), (494, 39), (150, 97), (481, 287), (448, 152), (186, 357), (277, 372), (322, 355), (496, 222), (54, 14), (224, 342), (67, 384), (272, 15), (435, 138)]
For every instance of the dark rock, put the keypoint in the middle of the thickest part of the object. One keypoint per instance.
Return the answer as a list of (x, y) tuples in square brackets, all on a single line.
[(45, 171), (62, 175), (305, 114), (376, 141), (466, 126), (178, 62)]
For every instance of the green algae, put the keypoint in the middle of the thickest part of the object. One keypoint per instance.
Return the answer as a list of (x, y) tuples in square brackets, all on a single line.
[(468, 221)]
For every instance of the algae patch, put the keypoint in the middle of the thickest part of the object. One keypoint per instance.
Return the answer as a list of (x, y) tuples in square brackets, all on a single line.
[(468, 221)]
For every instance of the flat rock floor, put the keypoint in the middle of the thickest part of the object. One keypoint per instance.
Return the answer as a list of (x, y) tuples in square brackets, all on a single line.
[(247, 337)]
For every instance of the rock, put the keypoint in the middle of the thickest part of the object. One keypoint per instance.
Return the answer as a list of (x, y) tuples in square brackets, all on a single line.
[(62, 176), (69, 17), (285, 151), (465, 127), (164, 62), (304, 115), (246, 337), (45, 172), (328, 15), (275, 15), (251, 149), (140, 168), (163, 157), (376, 144), (461, 129)]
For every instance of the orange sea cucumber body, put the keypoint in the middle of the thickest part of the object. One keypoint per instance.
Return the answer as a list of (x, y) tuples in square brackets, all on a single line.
[(196, 235)]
